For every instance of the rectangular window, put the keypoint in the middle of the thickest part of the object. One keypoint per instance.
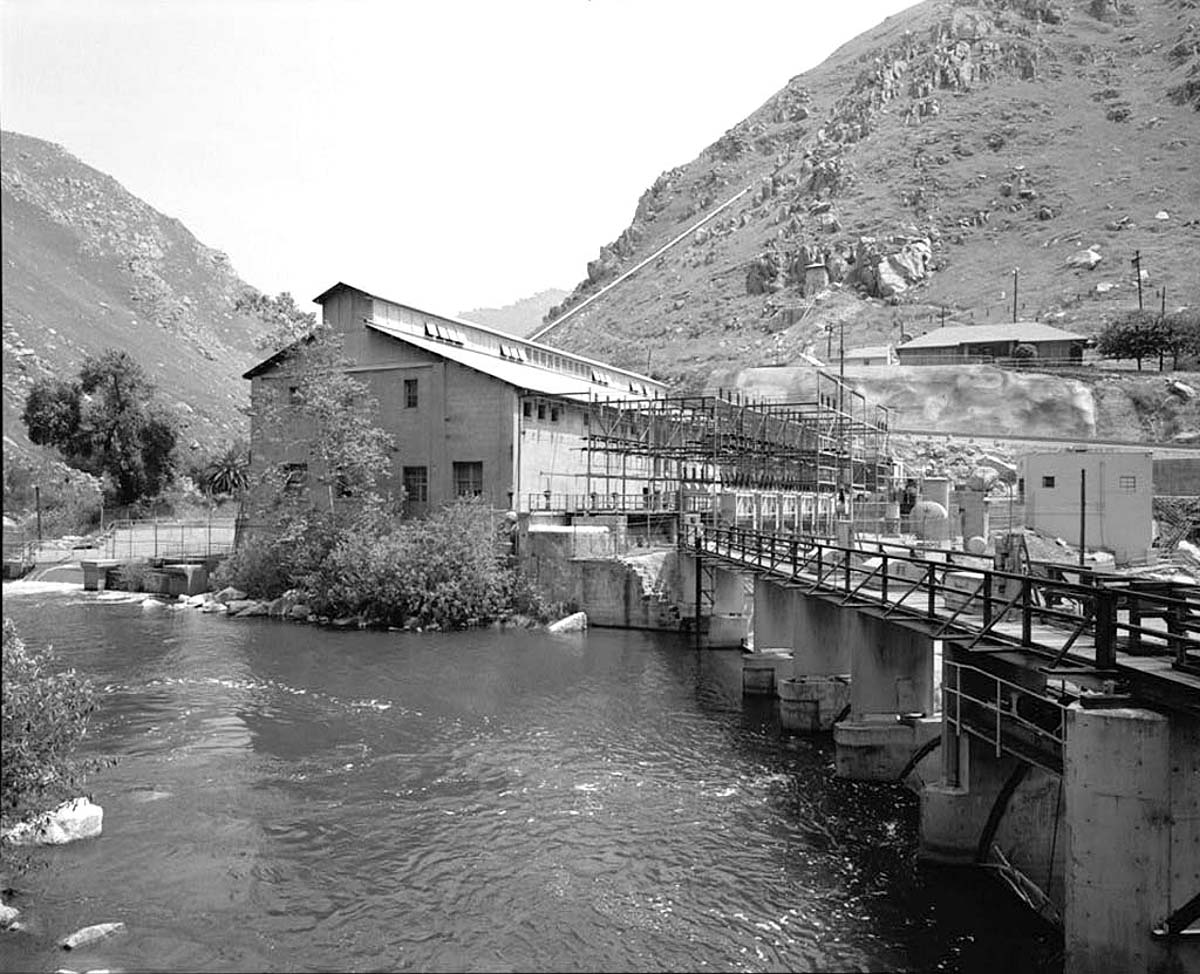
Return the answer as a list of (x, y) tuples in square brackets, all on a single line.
[(295, 477), (527, 409), (468, 479), (555, 412), (1047, 481), (1127, 482), (416, 484), (541, 410), (410, 393)]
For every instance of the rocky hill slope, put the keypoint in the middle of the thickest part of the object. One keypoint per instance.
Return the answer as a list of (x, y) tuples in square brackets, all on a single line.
[(913, 171), (88, 266), (521, 317)]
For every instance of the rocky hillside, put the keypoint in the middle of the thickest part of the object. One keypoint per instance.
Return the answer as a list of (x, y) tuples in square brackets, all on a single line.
[(88, 266), (521, 317), (908, 176)]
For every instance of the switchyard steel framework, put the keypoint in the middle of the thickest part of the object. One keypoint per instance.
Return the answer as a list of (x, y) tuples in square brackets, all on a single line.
[(835, 442)]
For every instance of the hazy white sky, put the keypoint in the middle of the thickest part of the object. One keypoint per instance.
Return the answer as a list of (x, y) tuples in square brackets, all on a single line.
[(446, 153)]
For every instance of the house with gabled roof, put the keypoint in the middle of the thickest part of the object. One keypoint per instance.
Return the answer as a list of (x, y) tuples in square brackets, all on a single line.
[(473, 411), (985, 343)]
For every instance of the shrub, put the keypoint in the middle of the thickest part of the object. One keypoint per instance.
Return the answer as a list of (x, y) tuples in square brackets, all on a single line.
[(132, 575), (445, 570), (44, 715)]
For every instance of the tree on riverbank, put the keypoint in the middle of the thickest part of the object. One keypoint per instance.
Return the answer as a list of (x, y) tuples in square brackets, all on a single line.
[(43, 716), (107, 423)]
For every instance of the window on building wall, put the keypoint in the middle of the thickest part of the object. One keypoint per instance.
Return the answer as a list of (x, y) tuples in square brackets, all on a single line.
[(1047, 481), (555, 412), (1127, 482), (468, 478), (410, 394), (295, 477), (541, 410), (527, 409), (416, 484)]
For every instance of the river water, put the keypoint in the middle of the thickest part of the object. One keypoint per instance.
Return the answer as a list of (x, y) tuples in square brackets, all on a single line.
[(297, 799)]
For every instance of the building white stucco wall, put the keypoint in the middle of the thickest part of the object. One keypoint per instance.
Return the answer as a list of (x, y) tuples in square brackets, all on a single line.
[(1118, 498)]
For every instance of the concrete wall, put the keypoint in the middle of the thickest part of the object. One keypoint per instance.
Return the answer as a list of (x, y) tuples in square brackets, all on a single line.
[(1119, 498)]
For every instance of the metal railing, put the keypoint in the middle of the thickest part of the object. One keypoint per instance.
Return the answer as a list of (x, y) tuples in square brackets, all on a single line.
[(664, 502), (152, 538), (964, 597), (1005, 715)]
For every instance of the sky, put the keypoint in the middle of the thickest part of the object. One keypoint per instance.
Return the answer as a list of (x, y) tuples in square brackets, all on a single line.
[(449, 154)]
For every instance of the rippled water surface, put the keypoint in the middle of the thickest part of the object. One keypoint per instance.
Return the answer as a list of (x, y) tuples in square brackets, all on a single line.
[(291, 798)]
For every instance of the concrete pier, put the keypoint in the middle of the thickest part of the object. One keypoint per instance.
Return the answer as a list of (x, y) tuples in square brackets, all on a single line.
[(1132, 788), (817, 690), (729, 624), (891, 696), (94, 571)]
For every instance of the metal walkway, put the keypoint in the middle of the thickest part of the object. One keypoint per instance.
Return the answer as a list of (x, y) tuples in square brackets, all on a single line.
[(1118, 637)]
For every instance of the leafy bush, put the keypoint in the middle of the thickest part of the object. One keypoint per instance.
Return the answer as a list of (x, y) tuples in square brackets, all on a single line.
[(132, 575), (446, 570), (44, 716)]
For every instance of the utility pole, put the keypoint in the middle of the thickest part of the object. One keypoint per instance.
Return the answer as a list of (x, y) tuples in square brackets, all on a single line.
[(1137, 269), (1082, 513), (37, 503), (943, 316), (1016, 274)]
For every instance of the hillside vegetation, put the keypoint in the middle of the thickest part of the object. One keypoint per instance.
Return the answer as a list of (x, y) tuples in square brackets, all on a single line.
[(89, 266), (919, 166)]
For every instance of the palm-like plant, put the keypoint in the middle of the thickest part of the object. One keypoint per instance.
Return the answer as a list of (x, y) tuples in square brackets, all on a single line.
[(228, 472)]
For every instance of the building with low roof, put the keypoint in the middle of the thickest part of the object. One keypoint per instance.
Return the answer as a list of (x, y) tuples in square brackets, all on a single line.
[(1109, 494), (985, 343), (473, 411), (870, 355)]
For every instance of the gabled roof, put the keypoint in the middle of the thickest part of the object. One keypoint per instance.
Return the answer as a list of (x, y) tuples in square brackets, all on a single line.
[(519, 373), (494, 332), (267, 364), (522, 375), (1016, 331)]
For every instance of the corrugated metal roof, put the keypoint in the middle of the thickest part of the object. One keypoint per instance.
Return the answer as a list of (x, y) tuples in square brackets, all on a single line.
[(1018, 331), (520, 374), (495, 332)]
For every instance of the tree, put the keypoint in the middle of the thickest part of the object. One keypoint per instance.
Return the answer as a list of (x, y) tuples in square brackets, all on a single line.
[(1135, 335), (43, 716), (1181, 335), (107, 423)]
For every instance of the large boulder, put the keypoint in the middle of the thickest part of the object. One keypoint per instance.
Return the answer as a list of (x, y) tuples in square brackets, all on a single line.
[(89, 935), (70, 821), (229, 594), (576, 622), (1085, 259)]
